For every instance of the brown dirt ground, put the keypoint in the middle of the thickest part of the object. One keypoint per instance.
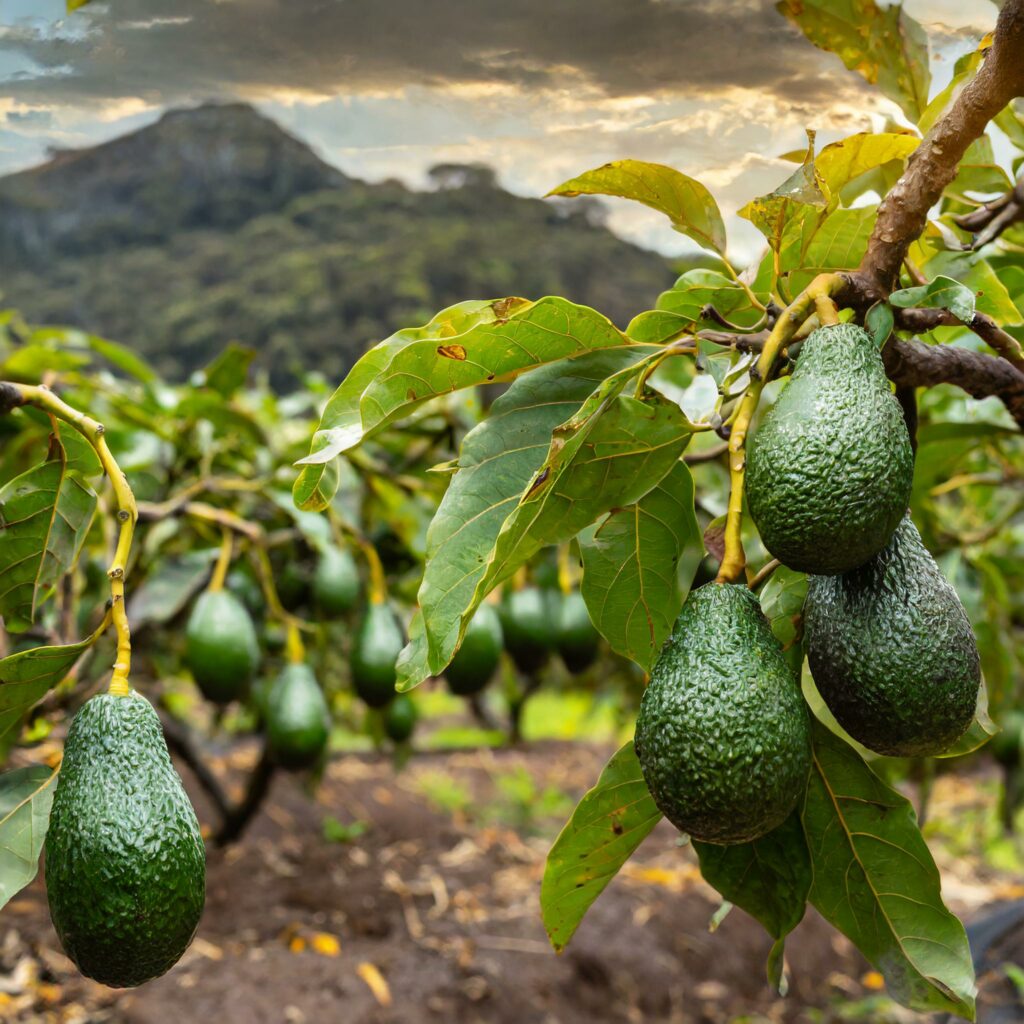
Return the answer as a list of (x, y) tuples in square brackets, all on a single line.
[(432, 915)]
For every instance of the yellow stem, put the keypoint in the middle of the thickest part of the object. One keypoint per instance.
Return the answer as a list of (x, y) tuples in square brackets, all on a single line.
[(828, 313), (126, 515), (220, 570), (295, 648), (223, 517), (270, 591), (378, 590), (734, 560), (564, 568)]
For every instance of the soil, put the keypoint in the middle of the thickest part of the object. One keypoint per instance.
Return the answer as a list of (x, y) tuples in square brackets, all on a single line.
[(431, 914)]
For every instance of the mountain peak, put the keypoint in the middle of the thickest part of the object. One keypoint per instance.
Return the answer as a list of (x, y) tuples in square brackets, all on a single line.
[(217, 165)]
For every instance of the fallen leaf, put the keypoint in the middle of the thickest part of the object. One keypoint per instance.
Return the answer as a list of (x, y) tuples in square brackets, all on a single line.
[(375, 982)]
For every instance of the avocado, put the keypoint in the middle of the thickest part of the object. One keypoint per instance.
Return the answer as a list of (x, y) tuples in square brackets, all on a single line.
[(242, 582), (479, 654), (125, 862), (892, 652), (529, 620), (723, 735), (378, 643), (293, 582), (1007, 745), (221, 648), (335, 581), (298, 720), (578, 640), (829, 470), (400, 718)]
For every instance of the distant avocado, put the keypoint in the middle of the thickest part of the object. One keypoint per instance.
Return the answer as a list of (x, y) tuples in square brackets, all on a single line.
[(578, 641), (221, 648), (298, 720), (335, 581), (529, 620), (829, 470), (243, 584), (723, 735), (892, 652), (1007, 746), (400, 718), (125, 862), (479, 655), (378, 643), (293, 583)]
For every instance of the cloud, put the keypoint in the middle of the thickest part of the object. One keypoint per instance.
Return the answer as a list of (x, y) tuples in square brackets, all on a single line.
[(170, 51)]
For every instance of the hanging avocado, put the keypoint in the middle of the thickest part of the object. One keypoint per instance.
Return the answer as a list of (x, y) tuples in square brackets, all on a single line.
[(221, 648), (479, 654)]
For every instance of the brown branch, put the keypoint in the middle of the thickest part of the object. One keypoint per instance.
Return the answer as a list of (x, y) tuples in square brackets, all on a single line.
[(989, 221), (922, 320), (903, 214)]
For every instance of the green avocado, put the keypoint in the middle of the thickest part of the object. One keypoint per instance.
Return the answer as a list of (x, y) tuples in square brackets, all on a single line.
[(378, 643), (221, 648), (578, 640), (829, 469), (335, 581), (400, 718), (298, 720), (1007, 745), (242, 582), (892, 652), (292, 581), (723, 735), (479, 654), (125, 862), (529, 620)]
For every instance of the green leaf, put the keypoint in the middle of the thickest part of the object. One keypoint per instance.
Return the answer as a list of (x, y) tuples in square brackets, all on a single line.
[(654, 327), (699, 288), (609, 454), (769, 878), (782, 601), (630, 579), (26, 795), (940, 293), (686, 202), (842, 162), (883, 44), (45, 515), (477, 343), (609, 823), (228, 372), (497, 460), (875, 880), (964, 70), (168, 587), (26, 677), (122, 357), (970, 269), (879, 322), (73, 5), (815, 245)]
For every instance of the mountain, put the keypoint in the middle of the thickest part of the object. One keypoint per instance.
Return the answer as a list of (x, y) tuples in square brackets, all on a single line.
[(214, 224)]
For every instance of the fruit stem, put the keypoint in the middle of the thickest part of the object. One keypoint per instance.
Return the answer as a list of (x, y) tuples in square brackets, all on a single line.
[(270, 590), (295, 649), (378, 589), (734, 560), (220, 570), (127, 514), (564, 568)]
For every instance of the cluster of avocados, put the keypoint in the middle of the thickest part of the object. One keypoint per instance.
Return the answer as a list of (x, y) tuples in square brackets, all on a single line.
[(723, 736)]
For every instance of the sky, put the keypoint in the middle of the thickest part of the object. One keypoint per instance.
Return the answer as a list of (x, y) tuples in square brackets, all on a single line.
[(539, 89)]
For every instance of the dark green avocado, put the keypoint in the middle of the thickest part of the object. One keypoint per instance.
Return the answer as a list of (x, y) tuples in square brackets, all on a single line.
[(578, 640), (829, 469), (378, 643), (400, 718), (529, 620), (479, 654), (297, 717), (892, 652), (125, 863), (221, 648), (723, 735), (335, 581)]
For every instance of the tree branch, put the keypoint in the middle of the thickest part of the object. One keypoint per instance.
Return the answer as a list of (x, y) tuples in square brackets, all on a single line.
[(921, 321), (988, 222)]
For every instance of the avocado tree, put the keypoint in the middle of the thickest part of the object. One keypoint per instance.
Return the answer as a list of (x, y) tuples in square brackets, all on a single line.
[(891, 284)]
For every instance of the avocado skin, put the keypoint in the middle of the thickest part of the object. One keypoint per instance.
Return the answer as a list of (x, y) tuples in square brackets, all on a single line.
[(125, 862), (830, 468), (578, 640), (400, 718), (479, 654), (529, 620), (892, 652), (221, 647), (379, 641), (335, 581), (723, 735), (298, 720)]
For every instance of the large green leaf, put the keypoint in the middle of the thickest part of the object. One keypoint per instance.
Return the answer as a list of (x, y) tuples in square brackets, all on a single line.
[(44, 516), (609, 454), (476, 343), (497, 461), (26, 677), (609, 823), (685, 201), (630, 562), (699, 288), (883, 44), (26, 795), (769, 878), (940, 293), (815, 245), (875, 880)]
